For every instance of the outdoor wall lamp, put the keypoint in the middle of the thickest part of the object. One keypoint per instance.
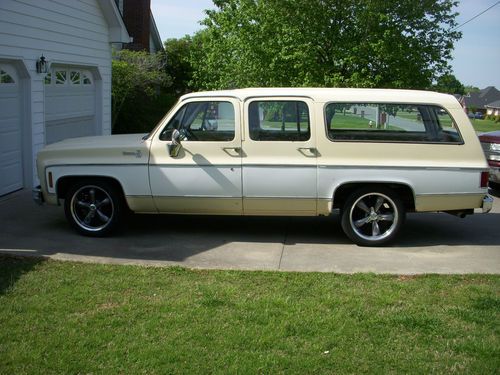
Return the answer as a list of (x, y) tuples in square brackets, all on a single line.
[(42, 65)]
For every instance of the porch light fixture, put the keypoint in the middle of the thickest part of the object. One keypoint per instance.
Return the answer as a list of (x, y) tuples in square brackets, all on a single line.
[(42, 65)]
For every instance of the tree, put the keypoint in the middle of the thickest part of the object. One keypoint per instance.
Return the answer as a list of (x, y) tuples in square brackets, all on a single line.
[(449, 84), (135, 73), (359, 43), (178, 67), (469, 89)]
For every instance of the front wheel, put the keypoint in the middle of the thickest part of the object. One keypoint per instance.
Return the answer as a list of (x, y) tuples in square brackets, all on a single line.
[(372, 216), (93, 208)]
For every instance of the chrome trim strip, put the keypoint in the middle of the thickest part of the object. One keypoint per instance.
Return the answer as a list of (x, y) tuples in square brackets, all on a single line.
[(446, 194), (324, 166), (97, 165)]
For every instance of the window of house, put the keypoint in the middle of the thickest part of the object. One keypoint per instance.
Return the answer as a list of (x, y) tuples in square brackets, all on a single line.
[(203, 121), (71, 76), (388, 122), (6, 77), (279, 121), (74, 77)]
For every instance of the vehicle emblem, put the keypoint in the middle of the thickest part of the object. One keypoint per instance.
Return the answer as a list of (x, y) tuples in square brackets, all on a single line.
[(136, 153)]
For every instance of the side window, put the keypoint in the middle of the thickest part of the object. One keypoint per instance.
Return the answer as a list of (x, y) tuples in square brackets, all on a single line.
[(279, 121), (387, 122), (203, 121)]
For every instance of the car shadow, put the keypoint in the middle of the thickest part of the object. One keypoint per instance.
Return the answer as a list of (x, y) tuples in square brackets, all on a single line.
[(31, 229)]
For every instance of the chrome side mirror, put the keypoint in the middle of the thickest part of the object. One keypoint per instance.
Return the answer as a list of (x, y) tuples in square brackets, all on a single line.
[(175, 146)]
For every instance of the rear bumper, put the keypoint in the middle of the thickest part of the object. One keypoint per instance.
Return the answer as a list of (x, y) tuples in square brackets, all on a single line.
[(37, 195), (487, 204)]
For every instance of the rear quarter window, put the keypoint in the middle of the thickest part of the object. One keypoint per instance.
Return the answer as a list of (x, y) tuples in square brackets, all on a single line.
[(390, 122)]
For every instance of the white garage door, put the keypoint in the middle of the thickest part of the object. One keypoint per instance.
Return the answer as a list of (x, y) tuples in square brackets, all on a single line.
[(11, 169), (70, 104)]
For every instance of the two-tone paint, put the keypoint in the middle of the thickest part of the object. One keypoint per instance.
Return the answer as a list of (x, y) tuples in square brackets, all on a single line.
[(247, 177)]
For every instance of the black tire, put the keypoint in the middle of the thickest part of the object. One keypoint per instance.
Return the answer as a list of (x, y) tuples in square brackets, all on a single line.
[(372, 216), (94, 208)]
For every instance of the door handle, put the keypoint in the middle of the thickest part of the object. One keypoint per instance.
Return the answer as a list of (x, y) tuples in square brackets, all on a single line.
[(307, 151), (232, 151)]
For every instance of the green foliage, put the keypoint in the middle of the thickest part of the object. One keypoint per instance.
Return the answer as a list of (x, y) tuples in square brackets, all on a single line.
[(449, 84), (75, 318), (178, 67), (135, 74), (356, 43), (469, 89)]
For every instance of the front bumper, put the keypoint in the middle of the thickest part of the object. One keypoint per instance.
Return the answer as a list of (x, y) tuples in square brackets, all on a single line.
[(487, 204), (37, 195)]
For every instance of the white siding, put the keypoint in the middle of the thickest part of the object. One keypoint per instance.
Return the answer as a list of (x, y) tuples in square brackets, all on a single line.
[(66, 32)]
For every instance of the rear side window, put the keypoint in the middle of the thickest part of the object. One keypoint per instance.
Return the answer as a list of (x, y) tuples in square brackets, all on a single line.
[(387, 122), (279, 121)]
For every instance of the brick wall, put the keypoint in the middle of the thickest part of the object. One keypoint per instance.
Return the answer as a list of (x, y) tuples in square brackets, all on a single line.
[(136, 15)]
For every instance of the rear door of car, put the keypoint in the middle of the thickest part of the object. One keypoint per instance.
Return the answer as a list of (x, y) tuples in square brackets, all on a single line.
[(279, 169)]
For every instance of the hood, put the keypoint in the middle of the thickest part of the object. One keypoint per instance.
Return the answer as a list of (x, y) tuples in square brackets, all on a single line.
[(111, 149), (104, 141)]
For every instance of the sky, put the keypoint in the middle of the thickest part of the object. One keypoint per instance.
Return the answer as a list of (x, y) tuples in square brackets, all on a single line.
[(476, 58)]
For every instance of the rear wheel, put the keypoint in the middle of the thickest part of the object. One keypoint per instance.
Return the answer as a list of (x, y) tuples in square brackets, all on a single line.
[(94, 208), (372, 216)]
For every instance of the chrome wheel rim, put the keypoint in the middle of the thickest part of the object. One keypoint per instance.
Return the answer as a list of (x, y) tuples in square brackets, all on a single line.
[(374, 216), (92, 208)]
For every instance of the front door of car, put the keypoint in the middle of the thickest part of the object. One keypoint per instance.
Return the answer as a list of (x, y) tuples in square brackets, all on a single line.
[(203, 173), (279, 157)]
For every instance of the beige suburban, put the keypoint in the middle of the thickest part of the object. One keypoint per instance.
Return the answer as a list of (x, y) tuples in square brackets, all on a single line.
[(373, 154)]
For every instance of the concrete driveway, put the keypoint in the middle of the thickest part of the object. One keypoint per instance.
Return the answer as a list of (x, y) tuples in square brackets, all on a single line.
[(428, 243)]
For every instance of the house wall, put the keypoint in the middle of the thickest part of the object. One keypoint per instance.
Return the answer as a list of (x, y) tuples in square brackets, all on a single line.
[(68, 33)]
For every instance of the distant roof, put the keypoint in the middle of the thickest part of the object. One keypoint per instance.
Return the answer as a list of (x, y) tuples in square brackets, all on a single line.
[(495, 104), (480, 99), (352, 95)]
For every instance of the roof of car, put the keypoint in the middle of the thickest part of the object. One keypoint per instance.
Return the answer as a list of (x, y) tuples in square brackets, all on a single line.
[(334, 94)]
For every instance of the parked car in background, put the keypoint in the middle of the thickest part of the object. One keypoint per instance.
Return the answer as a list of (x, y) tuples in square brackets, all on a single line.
[(491, 147), (476, 115), (372, 154)]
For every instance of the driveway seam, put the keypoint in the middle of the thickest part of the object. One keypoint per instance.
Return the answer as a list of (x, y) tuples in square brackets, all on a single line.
[(285, 237)]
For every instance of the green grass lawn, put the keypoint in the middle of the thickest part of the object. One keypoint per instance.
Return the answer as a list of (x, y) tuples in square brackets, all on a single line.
[(69, 318), (485, 125)]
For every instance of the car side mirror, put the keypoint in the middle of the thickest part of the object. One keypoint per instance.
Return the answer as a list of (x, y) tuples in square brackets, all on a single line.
[(175, 145)]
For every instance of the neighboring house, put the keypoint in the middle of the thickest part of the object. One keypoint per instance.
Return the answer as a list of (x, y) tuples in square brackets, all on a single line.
[(477, 101), (141, 25), (73, 98), (493, 108)]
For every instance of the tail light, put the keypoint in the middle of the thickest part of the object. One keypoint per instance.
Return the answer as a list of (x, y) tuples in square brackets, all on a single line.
[(484, 179)]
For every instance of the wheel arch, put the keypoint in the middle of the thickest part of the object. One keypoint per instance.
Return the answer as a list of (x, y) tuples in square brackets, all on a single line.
[(64, 183), (342, 192)]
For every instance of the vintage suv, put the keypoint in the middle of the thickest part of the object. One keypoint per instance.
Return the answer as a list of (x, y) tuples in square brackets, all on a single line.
[(374, 154)]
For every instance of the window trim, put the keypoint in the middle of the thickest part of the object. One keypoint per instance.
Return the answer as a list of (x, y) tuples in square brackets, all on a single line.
[(327, 134)]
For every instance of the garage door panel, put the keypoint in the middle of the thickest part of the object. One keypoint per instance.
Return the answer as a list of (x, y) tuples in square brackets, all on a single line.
[(11, 166), (10, 141), (58, 130), (12, 176), (69, 107)]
